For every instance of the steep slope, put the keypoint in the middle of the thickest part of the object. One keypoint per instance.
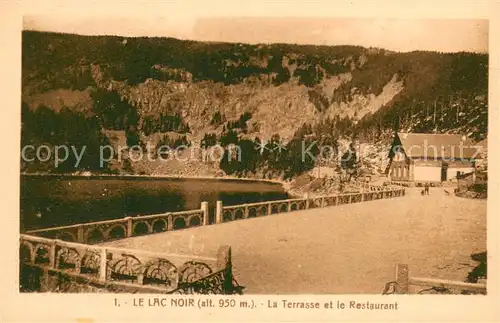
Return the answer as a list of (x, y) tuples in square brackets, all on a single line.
[(143, 86)]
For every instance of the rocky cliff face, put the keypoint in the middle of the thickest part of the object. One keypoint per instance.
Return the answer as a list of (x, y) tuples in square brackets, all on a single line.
[(350, 91), (283, 86), (276, 109)]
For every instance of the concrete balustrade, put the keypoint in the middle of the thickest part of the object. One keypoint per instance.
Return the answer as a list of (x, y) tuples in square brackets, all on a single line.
[(404, 283), (47, 253), (95, 232), (249, 210), (129, 269), (99, 231)]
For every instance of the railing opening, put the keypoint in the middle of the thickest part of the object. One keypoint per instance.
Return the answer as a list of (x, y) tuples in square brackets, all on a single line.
[(159, 226), (141, 228), (179, 223), (95, 236)]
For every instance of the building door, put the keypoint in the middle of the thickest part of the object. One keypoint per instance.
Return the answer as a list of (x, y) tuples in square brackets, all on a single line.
[(444, 171)]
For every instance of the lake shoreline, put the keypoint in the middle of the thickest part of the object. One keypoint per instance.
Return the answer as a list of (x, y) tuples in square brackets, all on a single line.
[(284, 184), (63, 199)]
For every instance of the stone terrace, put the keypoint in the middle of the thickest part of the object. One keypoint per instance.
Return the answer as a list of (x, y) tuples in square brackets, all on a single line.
[(345, 249)]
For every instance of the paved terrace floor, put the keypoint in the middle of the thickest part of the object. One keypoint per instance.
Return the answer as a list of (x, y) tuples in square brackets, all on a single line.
[(345, 249)]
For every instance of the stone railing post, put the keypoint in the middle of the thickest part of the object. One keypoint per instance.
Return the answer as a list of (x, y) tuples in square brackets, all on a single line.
[(289, 206), (129, 226), (218, 212), (245, 215), (103, 267), (322, 201), (52, 253), (80, 234), (307, 201), (350, 198), (363, 197), (204, 209), (170, 222), (140, 278), (78, 267), (402, 279), (269, 208), (224, 263)]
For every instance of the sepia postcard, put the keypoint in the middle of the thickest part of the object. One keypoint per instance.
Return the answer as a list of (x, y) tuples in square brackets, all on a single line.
[(263, 161)]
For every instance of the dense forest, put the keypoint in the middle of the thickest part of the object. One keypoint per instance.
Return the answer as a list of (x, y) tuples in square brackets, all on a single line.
[(208, 94)]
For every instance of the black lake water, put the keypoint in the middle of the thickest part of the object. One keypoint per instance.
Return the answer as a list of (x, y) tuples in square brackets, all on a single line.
[(48, 201)]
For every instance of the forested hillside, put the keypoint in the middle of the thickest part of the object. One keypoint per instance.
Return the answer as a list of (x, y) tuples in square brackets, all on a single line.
[(164, 90)]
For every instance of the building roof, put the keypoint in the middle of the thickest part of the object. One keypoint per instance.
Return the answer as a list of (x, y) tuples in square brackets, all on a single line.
[(483, 145), (430, 145)]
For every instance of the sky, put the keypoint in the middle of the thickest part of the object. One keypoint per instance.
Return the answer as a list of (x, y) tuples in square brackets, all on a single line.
[(445, 35)]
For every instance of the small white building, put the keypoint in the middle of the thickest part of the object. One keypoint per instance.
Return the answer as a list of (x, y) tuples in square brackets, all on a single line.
[(423, 157)]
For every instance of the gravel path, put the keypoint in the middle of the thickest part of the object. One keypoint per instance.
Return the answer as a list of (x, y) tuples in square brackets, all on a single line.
[(345, 249)]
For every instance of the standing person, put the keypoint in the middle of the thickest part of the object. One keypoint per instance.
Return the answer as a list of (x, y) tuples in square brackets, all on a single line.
[(427, 188)]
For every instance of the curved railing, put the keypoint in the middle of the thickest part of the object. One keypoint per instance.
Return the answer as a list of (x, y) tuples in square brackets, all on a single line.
[(95, 232), (125, 268), (100, 231), (69, 251), (251, 210)]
